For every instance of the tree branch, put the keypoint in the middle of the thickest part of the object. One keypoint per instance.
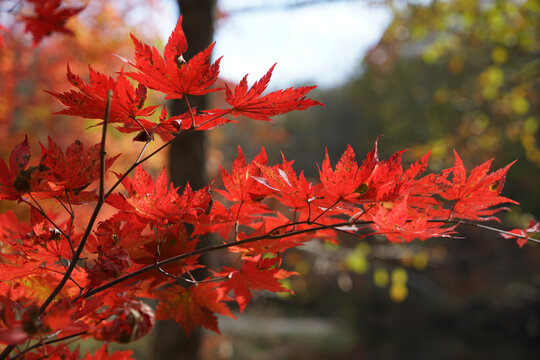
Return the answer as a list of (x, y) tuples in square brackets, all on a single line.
[(93, 218), (48, 342), (269, 236)]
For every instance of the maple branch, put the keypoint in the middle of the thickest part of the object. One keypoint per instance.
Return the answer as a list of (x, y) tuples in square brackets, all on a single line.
[(211, 248), (140, 161), (71, 214), (192, 280), (215, 117), (102, 151), (359, 214), (93, 218), (325, 210), (176, 277), (142, 151), (7, 350), (236, 223), (148, 136), (48, 342), (284, 226), (60, 259), (349, 232), (271, 236), (490, 228)]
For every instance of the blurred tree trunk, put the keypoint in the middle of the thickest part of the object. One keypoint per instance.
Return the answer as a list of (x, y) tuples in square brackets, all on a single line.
[(187, 164)]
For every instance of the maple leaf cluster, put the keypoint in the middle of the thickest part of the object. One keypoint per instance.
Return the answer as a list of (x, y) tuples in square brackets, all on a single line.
[(60, 280)]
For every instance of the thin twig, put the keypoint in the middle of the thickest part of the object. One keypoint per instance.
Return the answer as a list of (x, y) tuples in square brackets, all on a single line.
[(325, 210), (137, 163), (148, 136), (42, 212), (226, 113), (72, 214), (236, 223), (490, 228)]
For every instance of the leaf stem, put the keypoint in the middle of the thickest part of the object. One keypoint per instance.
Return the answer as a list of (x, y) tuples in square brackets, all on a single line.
[(190, 112)]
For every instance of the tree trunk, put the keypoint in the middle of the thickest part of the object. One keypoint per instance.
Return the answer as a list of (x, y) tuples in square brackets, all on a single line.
[(187, 164)]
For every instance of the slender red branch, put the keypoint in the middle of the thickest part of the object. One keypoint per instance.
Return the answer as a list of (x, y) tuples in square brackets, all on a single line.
[(42, 212), (140, 161), (93, 218)]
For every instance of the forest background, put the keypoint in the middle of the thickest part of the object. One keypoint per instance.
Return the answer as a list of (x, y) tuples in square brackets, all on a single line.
[(445, 75)]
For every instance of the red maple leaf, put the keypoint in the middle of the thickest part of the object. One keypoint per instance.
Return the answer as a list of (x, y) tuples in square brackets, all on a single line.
[(375, 180), (48, 18), (476, 195), (240, 184), (109, 265), (25, 321), (349, 181), (58, 174), (172, 240), (192, 307), (73, 171), (341, 182), (19, 178), (402, 223), (256, 273), (153, 201), (385, 180), (522, 235), (171, 74), (250, 103), (18, 160), (292, 190), (127, 103), (270, 224)]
